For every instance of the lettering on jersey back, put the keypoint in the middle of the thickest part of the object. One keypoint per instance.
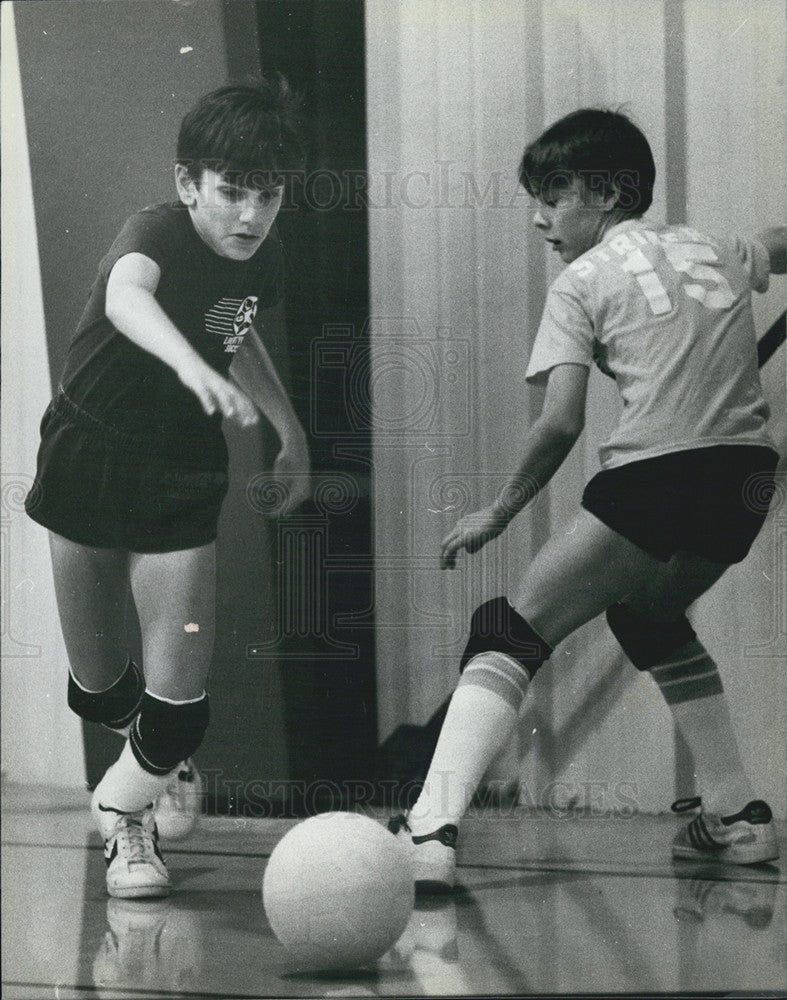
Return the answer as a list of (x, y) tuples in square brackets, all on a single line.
[(688, 253)]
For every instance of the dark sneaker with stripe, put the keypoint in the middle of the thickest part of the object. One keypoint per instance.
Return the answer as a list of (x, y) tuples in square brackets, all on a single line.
[(433, 855), (747, 837), (135, 867)]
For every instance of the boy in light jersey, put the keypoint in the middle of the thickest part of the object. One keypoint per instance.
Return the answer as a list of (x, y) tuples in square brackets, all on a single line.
[(666, 312)]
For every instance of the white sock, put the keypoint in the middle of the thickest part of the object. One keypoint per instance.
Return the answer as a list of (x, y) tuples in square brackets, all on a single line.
[(692, 687), (706, 727), (128, 787), (479, 723)]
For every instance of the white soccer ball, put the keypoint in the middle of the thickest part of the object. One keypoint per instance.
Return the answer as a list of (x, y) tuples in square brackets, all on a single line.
[(338, 891)]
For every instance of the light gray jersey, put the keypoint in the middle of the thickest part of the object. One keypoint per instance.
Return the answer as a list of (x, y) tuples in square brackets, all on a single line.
[(666, 311)]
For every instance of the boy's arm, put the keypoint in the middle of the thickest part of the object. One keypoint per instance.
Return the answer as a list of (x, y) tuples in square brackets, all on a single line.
[(547, 444), (775, 241), (132, 309), (254, 371)]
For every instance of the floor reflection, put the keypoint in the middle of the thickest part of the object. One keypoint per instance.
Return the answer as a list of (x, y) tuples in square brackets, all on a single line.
[(542, 908)]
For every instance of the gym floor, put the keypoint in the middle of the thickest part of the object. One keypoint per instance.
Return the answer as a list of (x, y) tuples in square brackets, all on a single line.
[(546, 905)]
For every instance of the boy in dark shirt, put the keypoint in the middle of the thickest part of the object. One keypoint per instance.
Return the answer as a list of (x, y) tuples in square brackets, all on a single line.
[(132, 467)]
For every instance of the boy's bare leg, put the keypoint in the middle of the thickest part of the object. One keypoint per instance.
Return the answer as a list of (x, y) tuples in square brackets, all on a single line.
[(92, 589), (577, 575), (174, 593), (663, 593), (690, 683), (175, 596), (91, 586), (574, 577), (674, 586)]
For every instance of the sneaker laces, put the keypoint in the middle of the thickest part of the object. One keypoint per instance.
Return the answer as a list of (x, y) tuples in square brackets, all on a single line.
[(136, 841)]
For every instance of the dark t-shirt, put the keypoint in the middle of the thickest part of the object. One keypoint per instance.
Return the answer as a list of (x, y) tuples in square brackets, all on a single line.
[(212, 300)]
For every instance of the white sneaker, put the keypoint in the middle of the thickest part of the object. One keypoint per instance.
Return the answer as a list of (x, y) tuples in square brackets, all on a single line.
[(135, 867), (701, 899), (151, 947), (178, 808), (745, 838), (433, 855), (129, 952)]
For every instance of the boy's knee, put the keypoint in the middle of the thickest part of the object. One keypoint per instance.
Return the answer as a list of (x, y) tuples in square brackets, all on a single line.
[(115, 707), (165, 733), (647, 642), (497, 627)]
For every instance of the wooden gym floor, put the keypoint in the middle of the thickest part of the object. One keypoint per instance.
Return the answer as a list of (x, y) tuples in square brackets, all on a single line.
[(545, 906)]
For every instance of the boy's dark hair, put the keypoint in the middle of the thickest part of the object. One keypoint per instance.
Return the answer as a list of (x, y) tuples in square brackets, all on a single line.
[(603, 148), (249, 134)]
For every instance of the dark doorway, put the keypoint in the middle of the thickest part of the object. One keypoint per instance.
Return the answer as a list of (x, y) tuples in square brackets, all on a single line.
[(325, 638)]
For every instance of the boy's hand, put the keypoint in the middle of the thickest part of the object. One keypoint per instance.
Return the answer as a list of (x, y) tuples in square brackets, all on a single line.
[(217, 394), (292, 468), (472, 532)]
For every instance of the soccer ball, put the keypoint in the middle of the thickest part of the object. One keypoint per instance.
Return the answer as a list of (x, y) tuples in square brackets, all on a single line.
[(338, 891)]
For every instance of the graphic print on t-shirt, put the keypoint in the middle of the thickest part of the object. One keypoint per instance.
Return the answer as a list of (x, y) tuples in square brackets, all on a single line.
[(231, 319)]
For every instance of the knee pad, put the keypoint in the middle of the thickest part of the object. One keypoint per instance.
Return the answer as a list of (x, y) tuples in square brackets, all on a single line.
[(116, 706), (497, 627), (164, 733), (644, 641)]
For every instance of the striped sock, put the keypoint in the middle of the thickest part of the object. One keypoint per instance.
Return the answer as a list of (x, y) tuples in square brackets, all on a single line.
[(689, 674), (479, 723), (692, 687)]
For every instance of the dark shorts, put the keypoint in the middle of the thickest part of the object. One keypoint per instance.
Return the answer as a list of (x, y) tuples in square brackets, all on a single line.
[(105, 488), (709, 501)]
